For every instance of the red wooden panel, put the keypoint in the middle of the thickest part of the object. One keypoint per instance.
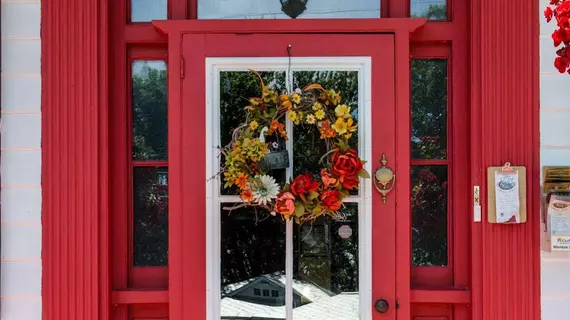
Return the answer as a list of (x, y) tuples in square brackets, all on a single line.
[(509, 131), (452, 296), (139, 297), (75, 234)]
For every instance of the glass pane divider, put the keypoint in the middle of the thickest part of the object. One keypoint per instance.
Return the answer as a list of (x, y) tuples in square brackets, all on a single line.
[(289, 223)]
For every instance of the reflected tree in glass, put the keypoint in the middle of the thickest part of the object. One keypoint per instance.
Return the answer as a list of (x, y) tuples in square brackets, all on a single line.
[(430, 9), (429, 215), (429, 109), (149, 108), (150, 216)]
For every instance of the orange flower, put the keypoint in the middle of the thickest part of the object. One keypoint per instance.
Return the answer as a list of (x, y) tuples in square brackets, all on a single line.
[(247, 195), (275, 126), (241, 181), (328, 179), (279, 127), (285, 102), (326, 130), (285, 204)]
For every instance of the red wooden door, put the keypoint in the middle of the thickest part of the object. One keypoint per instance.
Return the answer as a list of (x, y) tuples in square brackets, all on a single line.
[(377, 255)]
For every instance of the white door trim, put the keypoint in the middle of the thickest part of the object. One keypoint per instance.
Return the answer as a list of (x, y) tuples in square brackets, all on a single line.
[(213, 67)]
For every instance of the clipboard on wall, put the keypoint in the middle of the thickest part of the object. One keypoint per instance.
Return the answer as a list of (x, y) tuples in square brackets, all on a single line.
[(502, 181)]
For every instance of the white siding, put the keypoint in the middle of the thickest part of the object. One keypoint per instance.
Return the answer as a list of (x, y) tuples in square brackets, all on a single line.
[(20, 168), (554, 150)]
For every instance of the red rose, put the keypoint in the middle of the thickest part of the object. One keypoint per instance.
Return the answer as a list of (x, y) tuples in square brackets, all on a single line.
[(331, 200), (346, 165), (304, 184), (285, 204)]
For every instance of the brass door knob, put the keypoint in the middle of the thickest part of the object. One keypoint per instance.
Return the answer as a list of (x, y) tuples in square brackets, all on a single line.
[(382, 306)]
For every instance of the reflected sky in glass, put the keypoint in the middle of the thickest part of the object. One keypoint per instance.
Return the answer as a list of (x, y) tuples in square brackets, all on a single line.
[(147, 10)]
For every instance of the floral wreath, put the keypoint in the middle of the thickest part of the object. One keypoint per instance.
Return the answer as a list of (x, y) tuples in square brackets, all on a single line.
[(307, 196), (560, 11)]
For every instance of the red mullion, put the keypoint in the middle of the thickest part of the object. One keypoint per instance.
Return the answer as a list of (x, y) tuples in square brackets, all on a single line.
[(149, 163), (118, 190), (140, 277), (177, 9), (462, 169), (440, 276), (192, 9), (430, 162), (397, 8)]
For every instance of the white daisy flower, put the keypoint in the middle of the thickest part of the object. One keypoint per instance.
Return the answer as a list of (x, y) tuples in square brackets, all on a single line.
[(265, 190)]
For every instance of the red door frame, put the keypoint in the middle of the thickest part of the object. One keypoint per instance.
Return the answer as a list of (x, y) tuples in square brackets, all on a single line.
[(75, 174)]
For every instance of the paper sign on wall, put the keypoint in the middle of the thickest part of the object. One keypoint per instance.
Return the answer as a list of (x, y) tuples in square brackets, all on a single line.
[(506, 194), (558, 213), (507, 202)]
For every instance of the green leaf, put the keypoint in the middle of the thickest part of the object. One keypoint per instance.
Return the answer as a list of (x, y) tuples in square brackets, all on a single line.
[(299, 209), (364, 174), (318, 209), (313, 195)]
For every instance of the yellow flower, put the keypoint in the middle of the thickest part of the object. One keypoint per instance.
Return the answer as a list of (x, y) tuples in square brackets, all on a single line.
[(299, 118), (310, 119), (317, 106), (249, 108), (254, 102), (296, 98), (342, 111), (292, 115), (350, 127), (253, 125), (320, 114), (334, 97), (340, 126)]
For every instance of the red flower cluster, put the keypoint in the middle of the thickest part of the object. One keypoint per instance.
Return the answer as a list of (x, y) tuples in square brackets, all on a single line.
[(560, 10), (307, 194)]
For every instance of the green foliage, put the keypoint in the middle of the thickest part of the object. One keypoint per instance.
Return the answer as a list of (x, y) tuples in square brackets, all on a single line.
[(149, 110)]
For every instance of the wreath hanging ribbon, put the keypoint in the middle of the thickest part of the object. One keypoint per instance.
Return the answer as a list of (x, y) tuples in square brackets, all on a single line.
[(307, 196)]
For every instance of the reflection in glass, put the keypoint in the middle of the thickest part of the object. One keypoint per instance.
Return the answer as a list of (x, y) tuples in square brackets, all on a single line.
[(236, 87), (325, 280), (149, 110), (148, 10), (307, 145), (150, 237), (429, 109), (272, 9), (429, 215), (252, 265), (431, 9)]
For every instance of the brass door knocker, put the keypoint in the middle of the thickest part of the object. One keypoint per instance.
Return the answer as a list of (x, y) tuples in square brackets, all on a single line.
[(384, 177)]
